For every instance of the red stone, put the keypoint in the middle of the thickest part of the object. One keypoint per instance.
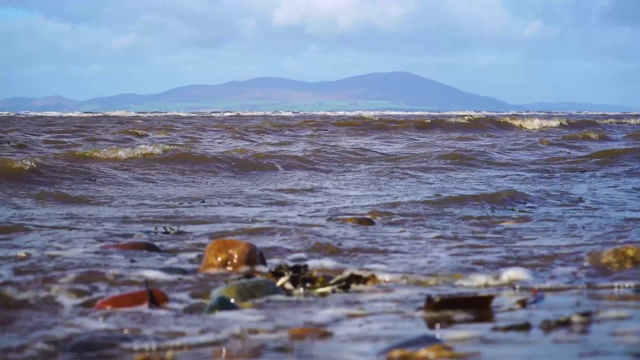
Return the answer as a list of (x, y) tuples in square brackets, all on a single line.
[(134, 245), (132, 299)]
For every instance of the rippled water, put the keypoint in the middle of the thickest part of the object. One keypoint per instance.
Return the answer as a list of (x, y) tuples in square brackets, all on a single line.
[(452, 194)]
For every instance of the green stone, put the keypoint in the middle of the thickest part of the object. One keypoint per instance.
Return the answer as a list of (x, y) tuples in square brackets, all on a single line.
[(229, 296)]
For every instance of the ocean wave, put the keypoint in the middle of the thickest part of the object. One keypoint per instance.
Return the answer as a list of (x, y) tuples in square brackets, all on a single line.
[(135, 132), (629, 121), (369, 114), (15, 167), (118, 153), (535, 123), (633, 136), (508, 197), (60, 197), (613, 153), (586, 135)]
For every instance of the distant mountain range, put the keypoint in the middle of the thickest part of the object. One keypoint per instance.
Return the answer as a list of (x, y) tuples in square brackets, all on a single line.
[(376, 91)]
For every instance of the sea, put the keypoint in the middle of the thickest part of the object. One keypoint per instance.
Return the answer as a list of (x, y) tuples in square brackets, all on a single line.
[(464, 203)]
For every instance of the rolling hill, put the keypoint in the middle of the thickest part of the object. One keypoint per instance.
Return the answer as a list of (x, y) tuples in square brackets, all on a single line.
[(375, 91)]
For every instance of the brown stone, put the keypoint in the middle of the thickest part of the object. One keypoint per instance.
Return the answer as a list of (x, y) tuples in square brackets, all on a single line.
[(133, 299), (231, 255), (356, 220), (309, 333), (438, 351)]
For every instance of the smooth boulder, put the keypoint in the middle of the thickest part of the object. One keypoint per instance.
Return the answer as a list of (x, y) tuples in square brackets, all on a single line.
[(150, 297), (234, 295), (231, 255)]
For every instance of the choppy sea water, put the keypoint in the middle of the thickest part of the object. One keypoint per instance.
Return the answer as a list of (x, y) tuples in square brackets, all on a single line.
[(452, 194)]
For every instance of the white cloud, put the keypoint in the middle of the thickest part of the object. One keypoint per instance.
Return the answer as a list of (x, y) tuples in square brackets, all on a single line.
[(340, 16)]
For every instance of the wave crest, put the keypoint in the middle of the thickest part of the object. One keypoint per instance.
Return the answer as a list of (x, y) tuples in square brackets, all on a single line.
[(117, 153), (15, 167), (508, 197), (535, 123)]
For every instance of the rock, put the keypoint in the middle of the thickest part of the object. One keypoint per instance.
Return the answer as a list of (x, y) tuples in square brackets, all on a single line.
[(233, 296), (231, 255), (357, 220), (134, 245), (309, 333), (437, 351), (617, 259), (580, 319), (151, 297), (458, 302), (412, 343), (174, 270), (524, 326), (107, 345)]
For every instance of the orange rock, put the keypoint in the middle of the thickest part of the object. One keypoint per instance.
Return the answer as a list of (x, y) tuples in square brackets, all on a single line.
[(134, 245), (131, 299), (231, 254), (309, 333)]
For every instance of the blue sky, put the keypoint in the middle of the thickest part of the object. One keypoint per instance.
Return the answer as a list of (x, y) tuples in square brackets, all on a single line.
[(519, 51)]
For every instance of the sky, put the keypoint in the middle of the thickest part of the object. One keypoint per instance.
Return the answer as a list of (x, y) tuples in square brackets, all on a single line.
[(519, 51)]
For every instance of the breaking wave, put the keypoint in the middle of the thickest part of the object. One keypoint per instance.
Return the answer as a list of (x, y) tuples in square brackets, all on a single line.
[(118, 153), (15, 167)]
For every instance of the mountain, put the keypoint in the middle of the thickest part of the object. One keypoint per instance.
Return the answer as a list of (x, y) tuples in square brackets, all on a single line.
[(376, 91), (51, 103)]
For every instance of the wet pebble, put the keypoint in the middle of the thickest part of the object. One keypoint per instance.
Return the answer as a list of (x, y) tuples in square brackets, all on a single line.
[(458, 302), (134, 245), (106, 345), (232, 296), (151, 297), (524, 326), (309, 333), (358, 220), (174, 270)]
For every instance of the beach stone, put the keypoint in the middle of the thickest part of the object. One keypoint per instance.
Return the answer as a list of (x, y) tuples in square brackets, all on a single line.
[(358, 220), (617, 259), (174, 270), (437, 351), (132, 299), (411, 343), (134, 245), (233, 296), (105, 344), (231, 255), (309, 333)]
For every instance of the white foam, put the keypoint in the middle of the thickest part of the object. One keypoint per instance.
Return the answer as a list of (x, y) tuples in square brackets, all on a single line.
[(460, 335), (298, 257), (324, 264), (513, 274), (366, 114), (503, 277), (116, 153), (535, 123), (154, 274), (24, 164)]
